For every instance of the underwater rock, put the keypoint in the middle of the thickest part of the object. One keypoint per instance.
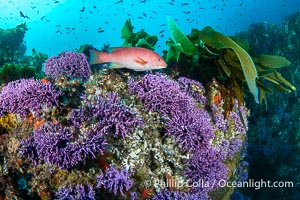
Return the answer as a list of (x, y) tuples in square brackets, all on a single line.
[(11, 43), (148, 135)]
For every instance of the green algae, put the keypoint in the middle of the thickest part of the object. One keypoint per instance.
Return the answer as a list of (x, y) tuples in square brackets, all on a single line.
[(138, 39), (12, 72), (179, 38)]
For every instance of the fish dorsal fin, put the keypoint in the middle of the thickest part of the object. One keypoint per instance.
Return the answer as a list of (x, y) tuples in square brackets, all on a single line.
[(140, 61), (115, 49), (111, 49)]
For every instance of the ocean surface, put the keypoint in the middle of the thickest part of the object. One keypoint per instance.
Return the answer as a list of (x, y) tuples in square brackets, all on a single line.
[(59, 25)]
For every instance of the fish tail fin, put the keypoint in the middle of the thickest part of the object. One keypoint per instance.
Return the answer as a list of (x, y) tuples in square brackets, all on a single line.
[(94, 57)]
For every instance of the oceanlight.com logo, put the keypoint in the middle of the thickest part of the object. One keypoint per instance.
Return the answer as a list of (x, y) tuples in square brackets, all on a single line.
[(251, 183)]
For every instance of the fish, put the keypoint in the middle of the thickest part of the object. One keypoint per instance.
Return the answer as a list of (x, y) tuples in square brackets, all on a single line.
[(135, 58), (24, 16)]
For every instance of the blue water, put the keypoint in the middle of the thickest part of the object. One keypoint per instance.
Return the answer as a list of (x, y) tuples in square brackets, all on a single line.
[(59, 25)]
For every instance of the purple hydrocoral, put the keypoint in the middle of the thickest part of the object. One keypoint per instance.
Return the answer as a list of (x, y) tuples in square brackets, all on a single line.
[(57, 145), (115, 181), (207, 168), (238, 117), (170, 195), (70, 64), (234, 146), (194, 89), (26, 96), (79, 192), (159, 93), (177, 195), (219, 120), (192, 129), (28, 150), (110, 112), (189, 125)]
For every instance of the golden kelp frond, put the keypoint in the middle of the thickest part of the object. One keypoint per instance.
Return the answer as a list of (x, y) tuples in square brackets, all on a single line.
[(263, 98), (219, 41), (262, 86), (238, 91), (276, 79), (233, 62), (262, 71), (270, 61)]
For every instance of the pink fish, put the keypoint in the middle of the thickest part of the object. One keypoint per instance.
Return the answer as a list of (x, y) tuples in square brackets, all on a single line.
[(136, 58)]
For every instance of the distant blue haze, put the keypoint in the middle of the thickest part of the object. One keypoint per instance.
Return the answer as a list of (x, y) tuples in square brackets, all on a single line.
[(51, 22)]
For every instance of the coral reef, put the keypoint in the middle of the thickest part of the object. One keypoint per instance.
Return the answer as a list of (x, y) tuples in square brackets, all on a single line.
[(26, 96), (8, 121), (56, 145), (78, 192), (151, 136), (69, 64), (115, 181), (109, 113), (134, 129)]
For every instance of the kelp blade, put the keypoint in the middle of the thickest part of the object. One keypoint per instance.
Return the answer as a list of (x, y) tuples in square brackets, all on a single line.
[(219, 41), (179, 37)]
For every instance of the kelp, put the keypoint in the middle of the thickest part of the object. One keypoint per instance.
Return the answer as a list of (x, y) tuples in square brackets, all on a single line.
[(231, 58), (270, 61), (127, 30), (219, 41), (179, 38), (138, 39), (174, 50)]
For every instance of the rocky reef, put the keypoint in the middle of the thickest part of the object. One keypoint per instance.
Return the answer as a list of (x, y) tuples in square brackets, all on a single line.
[(14, 64), (119, 135), (11, 43)]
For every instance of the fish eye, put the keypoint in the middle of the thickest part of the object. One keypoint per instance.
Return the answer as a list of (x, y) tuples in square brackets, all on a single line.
[(158, 59)]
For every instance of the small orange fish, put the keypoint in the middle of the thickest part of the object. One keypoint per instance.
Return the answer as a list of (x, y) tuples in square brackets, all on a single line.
[(136, 58), (45, 81)]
